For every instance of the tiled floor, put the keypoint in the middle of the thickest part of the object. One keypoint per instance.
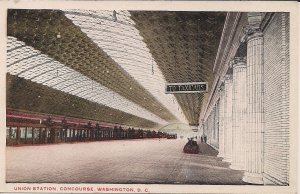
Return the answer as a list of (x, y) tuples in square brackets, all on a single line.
[(126, 161)]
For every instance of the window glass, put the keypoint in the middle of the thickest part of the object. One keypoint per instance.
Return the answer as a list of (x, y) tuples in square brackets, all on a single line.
[(29, 132), (7, 132), (36, 133), (63, 132), (13, 133), (70, 133), (23, 132)]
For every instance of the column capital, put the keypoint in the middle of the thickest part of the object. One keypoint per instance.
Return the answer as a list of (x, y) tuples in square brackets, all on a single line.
[(252, 32), (221, 87), (238, 62), (255, 19), (253, 28), (228, 77)]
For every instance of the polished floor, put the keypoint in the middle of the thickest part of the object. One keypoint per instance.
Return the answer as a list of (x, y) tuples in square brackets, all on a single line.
[(126, 161)]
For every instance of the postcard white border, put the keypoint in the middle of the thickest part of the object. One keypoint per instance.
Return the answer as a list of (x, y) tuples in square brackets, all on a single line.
[(245, 6)]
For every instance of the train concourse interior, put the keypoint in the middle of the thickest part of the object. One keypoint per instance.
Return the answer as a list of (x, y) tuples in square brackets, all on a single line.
[(147, 97)]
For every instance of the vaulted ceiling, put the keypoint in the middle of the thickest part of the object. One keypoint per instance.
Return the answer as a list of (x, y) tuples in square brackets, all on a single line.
[(116, 63), (184, 44)]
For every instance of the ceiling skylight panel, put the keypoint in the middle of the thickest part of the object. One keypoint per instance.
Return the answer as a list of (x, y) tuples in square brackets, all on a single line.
[(53, 81), (112, 27), (108, 100), (49, 78), (28, 74), (20, 56), (43, 66), (47, 74), (123, 17), (108, 15), (124, 44), (131, 66), (64, 71), (21, 53), (14, 57), (129, 107), (125, 60), (104, 14), (83, 92), (46, 71), (103, 38), (67, 86), (72, 87), (19, 67), (57, 73), (125, 55), (12, 43), (69, 79), (113, 37), (127, 50), (107, 97), (35, 66), (15, 69), (39, 61), (42, 78)]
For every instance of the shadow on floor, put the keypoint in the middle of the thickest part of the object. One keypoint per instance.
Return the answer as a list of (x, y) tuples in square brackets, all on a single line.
[(205, 149)]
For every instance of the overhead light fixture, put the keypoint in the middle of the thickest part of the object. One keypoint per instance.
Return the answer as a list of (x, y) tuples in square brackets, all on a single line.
[(152, 67), (114, 16), (58, 35), (58, 31)]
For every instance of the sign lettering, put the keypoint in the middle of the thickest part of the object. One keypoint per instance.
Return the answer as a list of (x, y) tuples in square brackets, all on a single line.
[(193, 87)]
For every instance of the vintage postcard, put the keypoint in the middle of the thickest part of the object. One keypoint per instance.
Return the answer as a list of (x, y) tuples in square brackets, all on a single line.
[(149, 97)]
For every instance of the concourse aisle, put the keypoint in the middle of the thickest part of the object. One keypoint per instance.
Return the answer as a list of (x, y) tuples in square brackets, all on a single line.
[(125, 161)]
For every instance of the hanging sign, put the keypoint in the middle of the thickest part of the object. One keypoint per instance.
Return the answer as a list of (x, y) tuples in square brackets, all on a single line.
[(194, 127), (191, 87)]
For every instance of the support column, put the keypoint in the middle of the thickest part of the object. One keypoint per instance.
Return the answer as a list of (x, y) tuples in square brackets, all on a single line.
[(239, 112), (18, 135), (255, 98), (221, 121), (228, 119), (217, 128)]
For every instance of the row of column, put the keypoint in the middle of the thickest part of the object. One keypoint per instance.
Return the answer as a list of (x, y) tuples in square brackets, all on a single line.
[(241, 121), (211, 127)]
